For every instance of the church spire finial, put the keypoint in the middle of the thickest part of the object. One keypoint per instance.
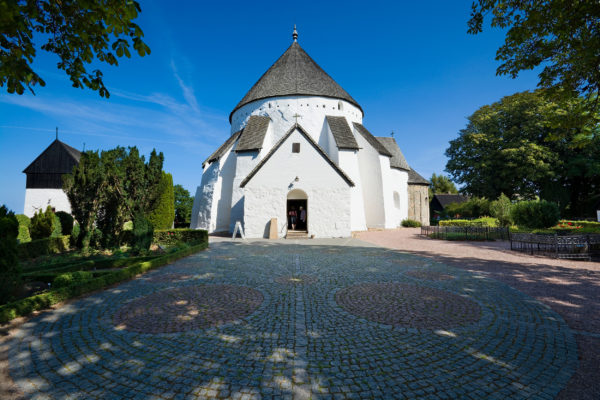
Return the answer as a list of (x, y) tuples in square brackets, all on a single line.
[(295, 34)]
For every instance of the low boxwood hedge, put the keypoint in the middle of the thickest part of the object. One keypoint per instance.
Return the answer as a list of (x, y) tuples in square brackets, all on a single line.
[(172, 237), (38, 302), (42, 247), (48, 274), (479, 222)]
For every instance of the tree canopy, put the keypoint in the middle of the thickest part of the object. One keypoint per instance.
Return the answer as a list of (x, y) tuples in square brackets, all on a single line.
[(440, 184), (183, 204), (520, 146), (563, 36), (77, 31), (109, 189)]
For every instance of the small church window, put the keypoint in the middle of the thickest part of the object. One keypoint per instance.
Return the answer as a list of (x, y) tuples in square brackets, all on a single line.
[(295, 147), (340, 106)]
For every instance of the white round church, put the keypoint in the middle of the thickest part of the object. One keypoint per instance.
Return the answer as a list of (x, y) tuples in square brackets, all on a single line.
[(298, 148)]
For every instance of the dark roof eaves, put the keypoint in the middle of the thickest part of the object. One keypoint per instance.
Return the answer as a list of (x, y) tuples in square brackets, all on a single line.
[(280, 143), (222, 149), (372, 140)]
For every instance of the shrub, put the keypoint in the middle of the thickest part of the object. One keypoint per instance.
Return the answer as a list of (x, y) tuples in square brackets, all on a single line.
[(10, 270), (75, 235), (41, 247), (56, 295), (66, 222), (142, 233), (479, 222), (42, 224), (475, 207), (24, 224), (56, 226), (164, 212), (535, 214), (501, 210), (410, 223), (71, 278), (173, 237)]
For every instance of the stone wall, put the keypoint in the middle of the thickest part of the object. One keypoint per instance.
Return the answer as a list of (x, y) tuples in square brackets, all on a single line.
[(418, 203)]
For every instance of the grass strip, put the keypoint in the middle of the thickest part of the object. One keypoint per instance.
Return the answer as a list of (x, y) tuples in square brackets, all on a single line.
[(26, 306)]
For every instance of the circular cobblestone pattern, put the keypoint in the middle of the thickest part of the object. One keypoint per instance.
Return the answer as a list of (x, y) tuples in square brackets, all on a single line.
[(296, 280), (429, 275), (469, 337), (409, 306), (188, 308)]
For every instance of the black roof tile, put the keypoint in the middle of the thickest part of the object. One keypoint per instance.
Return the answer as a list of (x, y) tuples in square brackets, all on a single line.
[(222, 149), (415, 179), (294, 73), (397, 160), (344, 139), (253, 133), (58, 158), (371, 139)]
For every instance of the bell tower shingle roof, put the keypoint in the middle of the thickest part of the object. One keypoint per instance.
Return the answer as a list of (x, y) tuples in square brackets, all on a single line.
[(295, 73)]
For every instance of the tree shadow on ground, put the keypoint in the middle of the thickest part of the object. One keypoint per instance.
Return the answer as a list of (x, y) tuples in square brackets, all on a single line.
[(297, 344)]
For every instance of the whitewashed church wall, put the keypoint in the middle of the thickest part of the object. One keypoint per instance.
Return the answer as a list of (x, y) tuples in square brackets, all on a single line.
[(203, 202), (268, 141), (348, 162), (245, 162), (399, 187), (224, 191), (329, 144), (388, 186), (328, 203), (311, 109), (40, 199), (372, 185)]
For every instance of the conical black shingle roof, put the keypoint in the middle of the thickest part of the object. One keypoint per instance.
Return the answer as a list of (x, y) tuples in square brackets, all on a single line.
[(295, 73), (58, 158)]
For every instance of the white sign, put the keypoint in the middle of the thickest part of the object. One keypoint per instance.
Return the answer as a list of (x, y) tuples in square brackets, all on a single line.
[(238, 228)]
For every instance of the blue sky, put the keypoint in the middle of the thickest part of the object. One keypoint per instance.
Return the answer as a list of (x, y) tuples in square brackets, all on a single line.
[(411, 66)]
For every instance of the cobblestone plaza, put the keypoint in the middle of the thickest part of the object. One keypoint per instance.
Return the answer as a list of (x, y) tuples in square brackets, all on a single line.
[(306, 319)]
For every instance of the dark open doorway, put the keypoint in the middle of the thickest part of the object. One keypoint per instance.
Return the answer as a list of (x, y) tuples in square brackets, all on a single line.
[(297, 206)]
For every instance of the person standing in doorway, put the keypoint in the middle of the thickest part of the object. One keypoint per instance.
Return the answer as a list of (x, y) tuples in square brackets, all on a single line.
[(293, 217), (303, 218)]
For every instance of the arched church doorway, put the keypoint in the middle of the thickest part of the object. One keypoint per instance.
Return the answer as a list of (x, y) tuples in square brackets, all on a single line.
[(297, 211)]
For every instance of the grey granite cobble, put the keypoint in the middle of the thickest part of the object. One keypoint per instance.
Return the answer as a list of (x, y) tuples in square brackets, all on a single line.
[(299, 342)]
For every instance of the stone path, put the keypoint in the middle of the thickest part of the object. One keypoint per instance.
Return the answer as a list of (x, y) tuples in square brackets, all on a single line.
[(306, 319)]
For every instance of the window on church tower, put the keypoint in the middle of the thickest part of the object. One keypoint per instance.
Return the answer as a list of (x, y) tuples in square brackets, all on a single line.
[(340, 106), (295, 147)]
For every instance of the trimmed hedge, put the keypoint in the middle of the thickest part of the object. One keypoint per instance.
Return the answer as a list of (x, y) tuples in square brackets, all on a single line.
[(24, 224), (535, 214), (48, 274), (171, 237), (72, 278), (42, 247), (483, 222), (28, 305), (410, 223), (163, 215)]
